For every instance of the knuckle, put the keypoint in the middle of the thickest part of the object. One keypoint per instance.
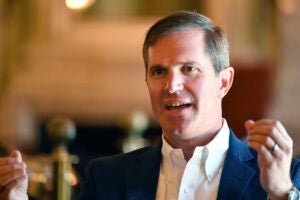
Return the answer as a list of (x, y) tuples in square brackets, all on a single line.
[(260, 148), (276, 123), (280, 157), (268, 140), (290, 143), (272, 130)]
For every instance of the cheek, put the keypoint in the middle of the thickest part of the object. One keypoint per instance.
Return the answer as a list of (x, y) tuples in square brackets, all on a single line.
[(155, 101), (204, 93), (154, 93), (154, 88), (196, 88)]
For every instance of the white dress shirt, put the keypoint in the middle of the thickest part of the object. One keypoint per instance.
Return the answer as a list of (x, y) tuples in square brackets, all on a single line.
[(198, 178)]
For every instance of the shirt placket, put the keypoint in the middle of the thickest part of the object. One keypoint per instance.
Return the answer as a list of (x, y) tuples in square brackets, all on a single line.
[(192, 177)]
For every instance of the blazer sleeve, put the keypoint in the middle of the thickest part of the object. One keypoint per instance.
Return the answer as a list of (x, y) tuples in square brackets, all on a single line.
[(88, 188), (295, 172)]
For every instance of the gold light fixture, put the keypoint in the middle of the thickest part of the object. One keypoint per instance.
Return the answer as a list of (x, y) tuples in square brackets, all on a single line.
[(79, 4)]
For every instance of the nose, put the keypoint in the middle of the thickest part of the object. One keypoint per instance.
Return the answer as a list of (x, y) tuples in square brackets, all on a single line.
[(174, 83)]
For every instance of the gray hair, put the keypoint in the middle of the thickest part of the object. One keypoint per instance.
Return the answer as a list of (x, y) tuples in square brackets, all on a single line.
[(216, 44)]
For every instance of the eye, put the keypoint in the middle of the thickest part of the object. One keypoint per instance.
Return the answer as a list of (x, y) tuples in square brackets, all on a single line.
[(157, 71), (189, 68)]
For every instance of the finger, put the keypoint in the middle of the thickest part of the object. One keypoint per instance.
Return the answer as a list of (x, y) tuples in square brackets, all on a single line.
[(286, 144), (264, 121), (282, 130), (264, 153), (266, 147), (262, 139), (7, 160), (5, 169), (7, 178), (248, 125), (273, 123), (16, 154), (16, 182), (276, 152), (6, 190), (269, 130)]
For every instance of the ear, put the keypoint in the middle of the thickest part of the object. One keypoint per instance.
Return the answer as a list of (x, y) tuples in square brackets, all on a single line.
[(226, 80)]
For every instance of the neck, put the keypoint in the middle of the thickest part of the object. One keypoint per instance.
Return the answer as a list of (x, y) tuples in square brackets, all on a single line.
[(188, 145), (188, 154)]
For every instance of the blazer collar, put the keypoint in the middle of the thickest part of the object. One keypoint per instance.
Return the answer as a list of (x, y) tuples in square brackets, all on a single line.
[(142, 179), (236, 174)]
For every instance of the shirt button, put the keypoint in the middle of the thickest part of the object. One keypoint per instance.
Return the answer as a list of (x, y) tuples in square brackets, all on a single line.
[(186, 190)]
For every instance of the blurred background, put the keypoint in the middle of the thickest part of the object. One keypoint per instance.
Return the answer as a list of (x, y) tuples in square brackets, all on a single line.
[(82, 59)]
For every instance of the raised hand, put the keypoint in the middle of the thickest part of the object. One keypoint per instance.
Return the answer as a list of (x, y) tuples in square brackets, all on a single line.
[(275, 148), (13, 177)]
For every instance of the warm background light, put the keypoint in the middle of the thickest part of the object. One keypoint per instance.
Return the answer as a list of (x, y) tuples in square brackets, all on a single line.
[(79, 4), (82, 59)]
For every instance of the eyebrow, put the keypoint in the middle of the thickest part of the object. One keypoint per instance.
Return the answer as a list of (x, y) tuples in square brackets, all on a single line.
[(179, 63), (155, 66), (190, 63)]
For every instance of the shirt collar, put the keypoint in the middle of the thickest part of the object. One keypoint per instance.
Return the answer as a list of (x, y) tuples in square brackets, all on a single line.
[(213, 154), (173, 156), (217, 149)]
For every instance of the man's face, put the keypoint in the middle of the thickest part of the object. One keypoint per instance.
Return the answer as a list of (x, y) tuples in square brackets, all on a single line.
[(185, 92)]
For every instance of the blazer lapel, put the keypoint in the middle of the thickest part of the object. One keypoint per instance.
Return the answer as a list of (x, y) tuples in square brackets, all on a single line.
[(142, 179), (236, 174)]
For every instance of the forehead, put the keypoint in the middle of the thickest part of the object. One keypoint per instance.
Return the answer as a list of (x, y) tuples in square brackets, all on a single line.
[(191, 33), (183, 44)]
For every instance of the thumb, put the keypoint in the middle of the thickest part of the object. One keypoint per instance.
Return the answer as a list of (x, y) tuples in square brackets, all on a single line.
[(16, 154), (249, 124)]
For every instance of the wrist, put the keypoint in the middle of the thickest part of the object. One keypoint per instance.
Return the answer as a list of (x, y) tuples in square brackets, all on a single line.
[(280, 193), (291, 194)]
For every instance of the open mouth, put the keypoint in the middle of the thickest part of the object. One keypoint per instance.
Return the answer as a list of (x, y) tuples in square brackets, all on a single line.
[(173, 106)]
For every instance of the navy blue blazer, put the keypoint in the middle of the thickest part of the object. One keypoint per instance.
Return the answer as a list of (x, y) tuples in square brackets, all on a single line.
[(134, 176)]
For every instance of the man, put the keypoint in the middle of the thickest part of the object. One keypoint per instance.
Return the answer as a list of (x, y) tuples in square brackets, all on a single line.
[(188, 74)]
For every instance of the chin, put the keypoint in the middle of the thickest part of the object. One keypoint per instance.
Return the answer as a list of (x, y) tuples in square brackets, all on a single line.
[(176, 129)]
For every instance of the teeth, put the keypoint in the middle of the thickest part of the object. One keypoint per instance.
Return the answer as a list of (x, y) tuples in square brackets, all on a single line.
[(175, 105)]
